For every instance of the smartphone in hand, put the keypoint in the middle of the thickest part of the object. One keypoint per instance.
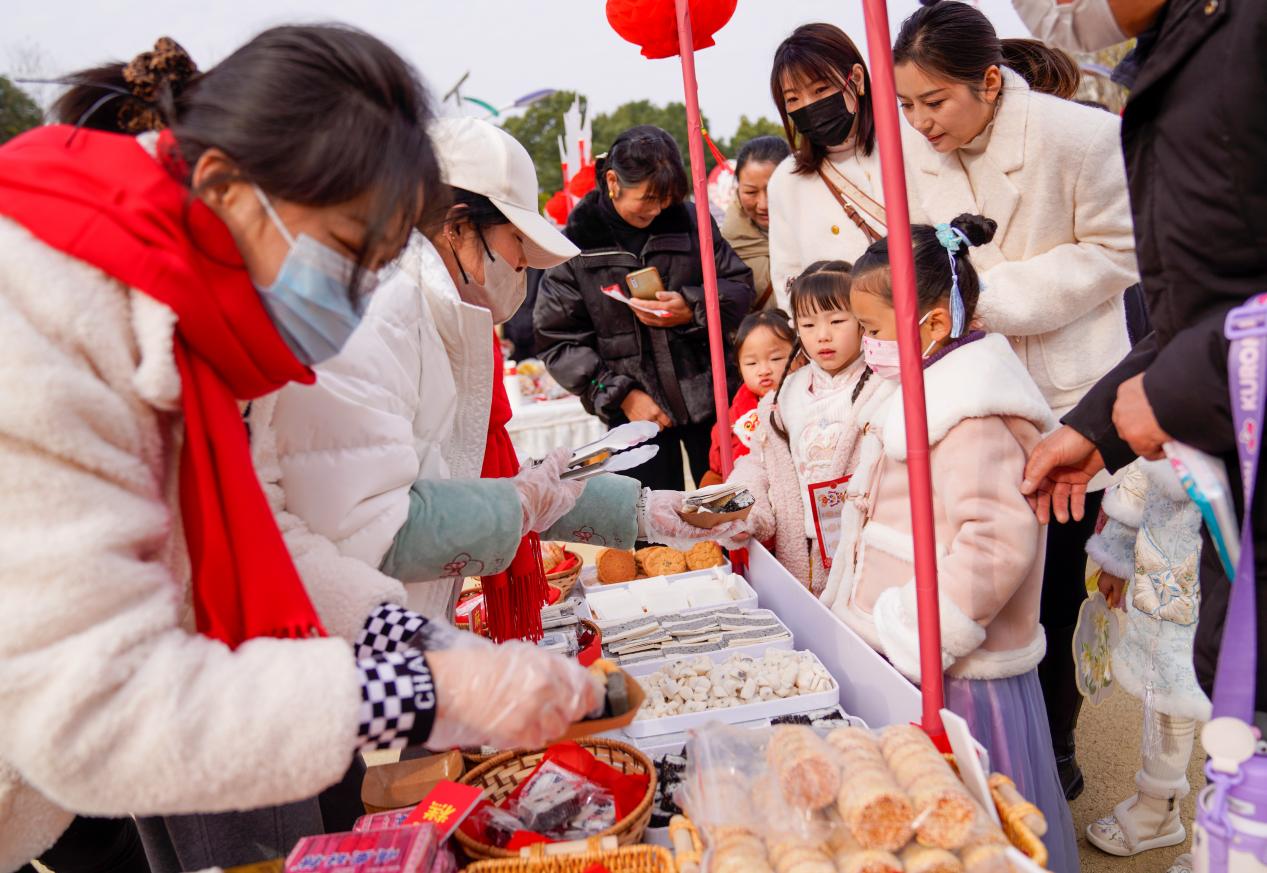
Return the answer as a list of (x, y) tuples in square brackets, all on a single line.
[(644, 284)]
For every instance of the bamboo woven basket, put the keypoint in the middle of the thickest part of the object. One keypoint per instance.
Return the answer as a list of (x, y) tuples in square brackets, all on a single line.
[(564, 582), (1012, 815), (501, 774), (629, 859)]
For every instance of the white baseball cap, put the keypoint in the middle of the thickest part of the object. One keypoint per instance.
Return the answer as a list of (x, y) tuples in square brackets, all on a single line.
[(484, 159)]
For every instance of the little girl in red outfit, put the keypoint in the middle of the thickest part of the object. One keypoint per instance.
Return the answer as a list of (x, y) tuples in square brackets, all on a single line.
[(763, 346)]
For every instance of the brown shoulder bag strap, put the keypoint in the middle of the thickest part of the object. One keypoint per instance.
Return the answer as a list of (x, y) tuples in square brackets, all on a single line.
[(857, 219)]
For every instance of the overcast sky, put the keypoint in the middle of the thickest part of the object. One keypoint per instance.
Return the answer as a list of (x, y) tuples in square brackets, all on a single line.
[(510, 47)]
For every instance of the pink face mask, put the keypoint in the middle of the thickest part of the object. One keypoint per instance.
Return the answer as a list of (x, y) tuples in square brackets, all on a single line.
[(882, 355)]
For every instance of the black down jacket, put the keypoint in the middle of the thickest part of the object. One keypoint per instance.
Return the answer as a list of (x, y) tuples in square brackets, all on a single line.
[(1195, 138), (596, 348)]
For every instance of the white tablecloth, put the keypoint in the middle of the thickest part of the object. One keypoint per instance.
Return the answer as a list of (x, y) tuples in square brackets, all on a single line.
[(536, 428)]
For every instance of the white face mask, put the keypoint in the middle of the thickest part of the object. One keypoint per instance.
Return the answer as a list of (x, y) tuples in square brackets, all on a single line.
[(503, 290), (1080, 26)]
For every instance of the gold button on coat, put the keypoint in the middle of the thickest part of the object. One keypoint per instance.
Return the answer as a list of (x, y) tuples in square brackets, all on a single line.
[(835, 228)]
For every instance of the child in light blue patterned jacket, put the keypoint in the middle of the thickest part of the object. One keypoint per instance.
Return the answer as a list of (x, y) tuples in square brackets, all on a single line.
[(1149, 551)]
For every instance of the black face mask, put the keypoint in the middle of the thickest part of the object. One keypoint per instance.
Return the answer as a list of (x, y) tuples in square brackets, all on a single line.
[(825, 123)]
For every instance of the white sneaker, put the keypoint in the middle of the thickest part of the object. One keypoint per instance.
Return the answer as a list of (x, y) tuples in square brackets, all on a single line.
[(1182, 864), (1120, 833)]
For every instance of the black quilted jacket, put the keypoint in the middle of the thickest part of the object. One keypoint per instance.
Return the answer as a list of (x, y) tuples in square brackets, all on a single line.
[(595, 347)]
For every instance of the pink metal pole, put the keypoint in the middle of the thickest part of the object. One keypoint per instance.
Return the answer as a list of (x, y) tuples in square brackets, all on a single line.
[(889, 136), (686, 50)]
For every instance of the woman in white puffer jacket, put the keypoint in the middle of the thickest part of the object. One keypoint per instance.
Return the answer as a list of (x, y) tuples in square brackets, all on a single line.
[(371, 457), (158, 653)]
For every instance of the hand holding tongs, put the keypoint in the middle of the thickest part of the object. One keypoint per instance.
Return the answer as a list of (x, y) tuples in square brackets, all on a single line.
[(619, 449)]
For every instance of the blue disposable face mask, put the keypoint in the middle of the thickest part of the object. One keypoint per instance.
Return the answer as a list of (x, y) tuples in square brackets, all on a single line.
[(312, 302)]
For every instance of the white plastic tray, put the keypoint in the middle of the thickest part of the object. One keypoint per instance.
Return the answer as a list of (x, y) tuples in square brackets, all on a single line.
[(644, 668), (674, 743), (870, 687), (589, 576), (766, 709), (747, 600)]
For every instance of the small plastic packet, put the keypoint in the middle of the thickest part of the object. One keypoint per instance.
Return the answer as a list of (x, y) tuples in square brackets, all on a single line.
[(596, 815), (554, 798), (495, 824)]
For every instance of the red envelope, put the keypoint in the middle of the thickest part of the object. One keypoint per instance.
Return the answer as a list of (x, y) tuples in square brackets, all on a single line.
[(446, 806)]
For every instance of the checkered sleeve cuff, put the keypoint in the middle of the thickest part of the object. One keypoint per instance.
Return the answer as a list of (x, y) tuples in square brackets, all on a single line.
[(398, 701), (389, 628)]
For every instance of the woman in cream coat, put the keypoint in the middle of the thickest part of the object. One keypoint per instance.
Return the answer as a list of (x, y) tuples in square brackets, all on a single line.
[(1050, 173), (821, 88)]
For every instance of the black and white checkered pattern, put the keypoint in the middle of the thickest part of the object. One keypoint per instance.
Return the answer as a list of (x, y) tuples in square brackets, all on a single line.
[(389, 628), (398, 701)]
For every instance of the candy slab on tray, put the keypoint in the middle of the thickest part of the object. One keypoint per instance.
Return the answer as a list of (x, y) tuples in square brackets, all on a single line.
[(644, 645), (681, 594), (743, 688)]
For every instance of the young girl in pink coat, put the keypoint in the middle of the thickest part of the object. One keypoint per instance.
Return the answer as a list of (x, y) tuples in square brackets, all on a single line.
[(805, 440), (985, 414)]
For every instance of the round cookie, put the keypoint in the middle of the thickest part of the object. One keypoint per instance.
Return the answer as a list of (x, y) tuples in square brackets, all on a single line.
[(704, 555), (664, 562), (615, 565)]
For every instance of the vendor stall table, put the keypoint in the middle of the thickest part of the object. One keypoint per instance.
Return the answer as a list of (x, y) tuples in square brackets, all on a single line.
[(870, 688), (537, 428)]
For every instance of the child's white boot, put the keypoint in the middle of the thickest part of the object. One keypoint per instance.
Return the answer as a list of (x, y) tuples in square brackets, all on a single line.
[(1150, 819)]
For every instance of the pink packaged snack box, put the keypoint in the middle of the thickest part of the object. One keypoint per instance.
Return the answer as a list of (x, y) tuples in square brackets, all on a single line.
[(398, 850), (381, 821)]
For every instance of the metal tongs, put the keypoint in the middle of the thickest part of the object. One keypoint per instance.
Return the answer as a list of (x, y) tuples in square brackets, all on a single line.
[(621, 448)]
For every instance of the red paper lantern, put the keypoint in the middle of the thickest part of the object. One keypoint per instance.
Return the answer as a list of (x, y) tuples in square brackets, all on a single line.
[(652, 24), (582, 183)]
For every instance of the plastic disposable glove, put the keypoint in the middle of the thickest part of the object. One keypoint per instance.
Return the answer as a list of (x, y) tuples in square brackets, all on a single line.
[(545, 497), (510, 696), (659, 522)]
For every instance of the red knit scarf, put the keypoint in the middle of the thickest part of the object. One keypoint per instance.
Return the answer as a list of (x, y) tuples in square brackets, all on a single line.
[(102, 199), (514, 598)]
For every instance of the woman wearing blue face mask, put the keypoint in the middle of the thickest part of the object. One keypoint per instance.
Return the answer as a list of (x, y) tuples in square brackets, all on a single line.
[(160, 653)]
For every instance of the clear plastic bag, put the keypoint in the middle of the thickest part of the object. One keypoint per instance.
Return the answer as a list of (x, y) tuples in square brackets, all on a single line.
[(561, 805), (730, 784), (496, 825)]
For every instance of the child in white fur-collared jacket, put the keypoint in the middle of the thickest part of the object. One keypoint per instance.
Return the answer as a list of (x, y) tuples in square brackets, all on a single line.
[(1152, 540), (985, 414), (805, 434)]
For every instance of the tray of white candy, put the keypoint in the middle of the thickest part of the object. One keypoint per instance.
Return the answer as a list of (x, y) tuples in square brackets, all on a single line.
[(644, 645), (692, 692), (682, 594)]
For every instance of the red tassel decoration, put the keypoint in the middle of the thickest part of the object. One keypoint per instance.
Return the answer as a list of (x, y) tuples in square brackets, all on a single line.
[(513, 599)]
